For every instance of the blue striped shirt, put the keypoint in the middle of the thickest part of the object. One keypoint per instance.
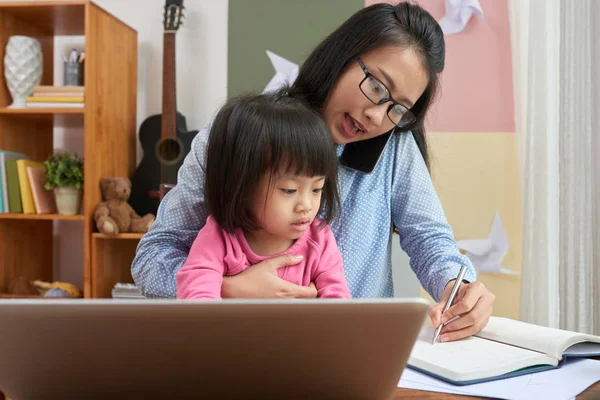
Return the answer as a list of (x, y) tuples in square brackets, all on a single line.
[(399, 192)]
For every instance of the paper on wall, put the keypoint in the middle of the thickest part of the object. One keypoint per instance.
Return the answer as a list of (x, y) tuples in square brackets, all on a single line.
[(458, 14), (487, 254), (285, 72)]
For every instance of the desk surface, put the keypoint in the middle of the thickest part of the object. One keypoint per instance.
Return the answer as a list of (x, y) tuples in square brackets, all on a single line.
[(591, 393)]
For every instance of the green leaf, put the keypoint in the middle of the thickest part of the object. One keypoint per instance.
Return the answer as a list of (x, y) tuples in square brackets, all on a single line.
[(64, 170)]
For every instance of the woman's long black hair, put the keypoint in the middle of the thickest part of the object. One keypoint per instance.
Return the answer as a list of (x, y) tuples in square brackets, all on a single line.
[(405, 25)]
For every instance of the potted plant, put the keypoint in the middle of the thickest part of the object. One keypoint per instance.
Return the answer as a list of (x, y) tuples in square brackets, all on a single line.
[(64, 174)]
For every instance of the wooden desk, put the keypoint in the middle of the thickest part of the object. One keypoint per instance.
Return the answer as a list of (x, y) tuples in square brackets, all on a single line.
[(591, 393)]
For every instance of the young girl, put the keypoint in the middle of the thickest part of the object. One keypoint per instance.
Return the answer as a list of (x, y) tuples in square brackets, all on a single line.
[(373, 80), (271, 168)]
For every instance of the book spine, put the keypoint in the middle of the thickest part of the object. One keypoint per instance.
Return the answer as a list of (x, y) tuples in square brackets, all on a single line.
[(56, 94), (14, 192), (45, 88), (59, 99), (26, 195)]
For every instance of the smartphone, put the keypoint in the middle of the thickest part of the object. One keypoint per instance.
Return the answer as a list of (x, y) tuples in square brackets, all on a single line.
[(364, 155)]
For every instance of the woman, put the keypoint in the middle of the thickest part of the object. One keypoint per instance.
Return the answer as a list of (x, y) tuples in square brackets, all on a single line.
[(373, 80)]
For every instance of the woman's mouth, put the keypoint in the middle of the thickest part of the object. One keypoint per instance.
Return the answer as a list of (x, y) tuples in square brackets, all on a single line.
[(351, 127)]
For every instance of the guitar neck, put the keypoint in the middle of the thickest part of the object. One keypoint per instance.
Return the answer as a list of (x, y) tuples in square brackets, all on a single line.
[(169, 98)]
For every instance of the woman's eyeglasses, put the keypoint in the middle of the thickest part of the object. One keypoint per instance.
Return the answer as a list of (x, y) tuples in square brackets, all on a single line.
[(378, 93)]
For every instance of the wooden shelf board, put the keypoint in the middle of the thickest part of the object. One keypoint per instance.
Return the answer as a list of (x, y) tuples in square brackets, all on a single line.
[(53, 17), (77, 217), (32, 297), (50, 111), (136, 236)]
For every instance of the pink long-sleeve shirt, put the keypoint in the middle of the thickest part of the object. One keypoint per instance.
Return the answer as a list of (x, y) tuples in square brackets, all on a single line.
[(216, 253)]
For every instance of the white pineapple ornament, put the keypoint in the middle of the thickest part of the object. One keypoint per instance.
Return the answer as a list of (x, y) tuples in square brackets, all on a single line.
[(22, 68)]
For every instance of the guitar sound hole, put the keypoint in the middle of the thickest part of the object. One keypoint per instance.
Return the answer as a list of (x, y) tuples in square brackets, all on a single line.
[(169, 151)]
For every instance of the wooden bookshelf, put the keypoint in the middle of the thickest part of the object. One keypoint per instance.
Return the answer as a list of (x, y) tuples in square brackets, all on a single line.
[(28, 111), (131, 236), (42, 216), (112, 261), (108, 119)]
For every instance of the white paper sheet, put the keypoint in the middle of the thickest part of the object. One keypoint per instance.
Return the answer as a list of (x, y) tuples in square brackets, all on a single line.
[(458, 14), (557, 384), (285, 72), (487, 254)]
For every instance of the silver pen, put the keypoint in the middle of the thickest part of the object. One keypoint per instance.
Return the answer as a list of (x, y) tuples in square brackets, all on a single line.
[(457, 283)]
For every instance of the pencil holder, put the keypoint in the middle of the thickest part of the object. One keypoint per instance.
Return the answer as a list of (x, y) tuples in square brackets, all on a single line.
[(73, 73)]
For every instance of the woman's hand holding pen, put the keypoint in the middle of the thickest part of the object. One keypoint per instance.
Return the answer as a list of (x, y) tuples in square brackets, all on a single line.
[(473, 303)]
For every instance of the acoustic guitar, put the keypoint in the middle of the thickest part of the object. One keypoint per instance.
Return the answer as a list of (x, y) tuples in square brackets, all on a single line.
[(165, 138)]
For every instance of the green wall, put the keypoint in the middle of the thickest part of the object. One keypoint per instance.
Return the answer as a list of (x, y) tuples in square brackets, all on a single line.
[(288, 28)]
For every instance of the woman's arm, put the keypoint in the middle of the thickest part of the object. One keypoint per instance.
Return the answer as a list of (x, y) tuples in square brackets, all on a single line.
[(181, 215), (427, 238), (418, 215)]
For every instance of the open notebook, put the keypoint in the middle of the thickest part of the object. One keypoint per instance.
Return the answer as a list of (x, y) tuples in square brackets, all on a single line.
[(505, 348)]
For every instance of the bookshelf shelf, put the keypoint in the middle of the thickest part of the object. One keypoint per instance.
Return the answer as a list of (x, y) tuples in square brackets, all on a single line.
[(32, 296), (108, 120), (127, 236), (112, 261), (29, 111), (42, 216), (53, 17)]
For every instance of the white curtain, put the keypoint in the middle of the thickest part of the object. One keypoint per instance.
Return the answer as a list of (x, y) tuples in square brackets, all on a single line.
[(556, 75)]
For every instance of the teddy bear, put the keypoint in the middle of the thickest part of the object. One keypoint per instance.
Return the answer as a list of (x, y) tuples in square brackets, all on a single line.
[(114, 215)]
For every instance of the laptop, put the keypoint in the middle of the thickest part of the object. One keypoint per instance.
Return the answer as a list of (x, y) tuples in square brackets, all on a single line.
[(230, 349)]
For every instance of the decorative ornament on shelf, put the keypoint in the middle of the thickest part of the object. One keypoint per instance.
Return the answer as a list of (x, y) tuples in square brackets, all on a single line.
[(26, 288), (64, 174), (57, 289), (22, 68)]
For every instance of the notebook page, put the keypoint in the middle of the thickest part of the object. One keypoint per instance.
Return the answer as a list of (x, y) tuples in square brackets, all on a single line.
[(471, 358), (534, 337)]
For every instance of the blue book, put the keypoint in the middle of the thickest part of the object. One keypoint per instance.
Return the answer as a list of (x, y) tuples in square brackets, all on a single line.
[(4, 156), (503, 349)]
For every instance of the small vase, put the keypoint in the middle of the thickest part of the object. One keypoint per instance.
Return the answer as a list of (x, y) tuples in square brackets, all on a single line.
[(22, 68), (68, 200)]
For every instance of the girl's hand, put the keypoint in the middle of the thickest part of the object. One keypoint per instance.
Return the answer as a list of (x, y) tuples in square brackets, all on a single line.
[(261, 281), (473, 307)]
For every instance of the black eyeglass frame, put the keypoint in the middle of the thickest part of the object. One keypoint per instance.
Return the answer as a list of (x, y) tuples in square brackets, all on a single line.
[(407, 111)]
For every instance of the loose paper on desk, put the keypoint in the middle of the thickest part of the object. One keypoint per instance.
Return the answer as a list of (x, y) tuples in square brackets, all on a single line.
[(562, 383), (458, 14), (487, 254), (285, 72)]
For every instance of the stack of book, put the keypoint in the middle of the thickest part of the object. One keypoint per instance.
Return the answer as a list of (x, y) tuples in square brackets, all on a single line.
[(126, 291), (56, 97), (22, 185)]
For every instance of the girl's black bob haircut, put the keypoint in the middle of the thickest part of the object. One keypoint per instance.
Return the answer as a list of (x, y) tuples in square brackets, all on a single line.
[(253, 135)]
